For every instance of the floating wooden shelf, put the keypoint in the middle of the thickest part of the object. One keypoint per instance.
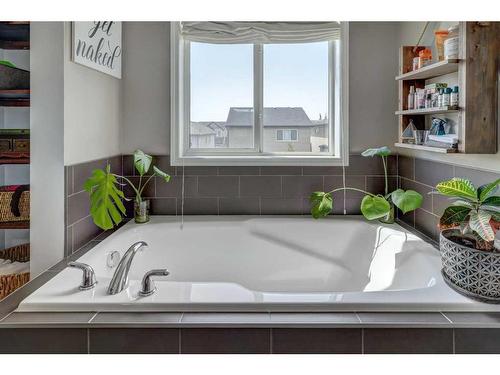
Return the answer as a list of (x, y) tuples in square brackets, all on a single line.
[(15, 35), (15, 225), (426, 148), (15, 98), (430, 71), (427, 111)]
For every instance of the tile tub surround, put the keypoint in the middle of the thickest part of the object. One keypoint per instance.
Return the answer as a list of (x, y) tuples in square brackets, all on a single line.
[(287, 333), (258, 190), (423, 175)]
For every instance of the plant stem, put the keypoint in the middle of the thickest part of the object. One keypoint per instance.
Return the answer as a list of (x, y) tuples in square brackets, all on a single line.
[(137, 193), (145, 184), (384, 162), (350, 188)]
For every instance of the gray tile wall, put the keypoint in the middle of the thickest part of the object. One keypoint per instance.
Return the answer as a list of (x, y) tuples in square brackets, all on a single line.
[(423, 175)]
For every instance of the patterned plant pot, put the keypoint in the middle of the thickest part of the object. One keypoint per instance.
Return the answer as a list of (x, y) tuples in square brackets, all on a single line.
[(472, 273)]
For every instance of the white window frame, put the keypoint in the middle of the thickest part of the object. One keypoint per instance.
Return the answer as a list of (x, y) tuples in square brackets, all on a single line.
[(181, 154), (287, 130)]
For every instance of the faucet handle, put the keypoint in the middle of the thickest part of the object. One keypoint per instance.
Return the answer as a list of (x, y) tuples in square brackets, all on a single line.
[(148, 286), (89, 279)]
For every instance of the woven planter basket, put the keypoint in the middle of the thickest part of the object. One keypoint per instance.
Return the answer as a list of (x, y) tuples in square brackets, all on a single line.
[(473, 273), (19, 253), (9, 283), (14, 204)]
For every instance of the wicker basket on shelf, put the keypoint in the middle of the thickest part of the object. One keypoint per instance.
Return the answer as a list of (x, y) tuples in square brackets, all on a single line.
[(10, 282), (14, 203)]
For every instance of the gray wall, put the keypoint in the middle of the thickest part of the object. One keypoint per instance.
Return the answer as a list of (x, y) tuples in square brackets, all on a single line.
[(146, 100), (47, 145)]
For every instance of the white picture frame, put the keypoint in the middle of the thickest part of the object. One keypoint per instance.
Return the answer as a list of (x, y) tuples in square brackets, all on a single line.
[(98, 45)]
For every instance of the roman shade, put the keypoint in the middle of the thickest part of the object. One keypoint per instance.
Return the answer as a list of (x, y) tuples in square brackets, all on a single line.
[(259, 32)]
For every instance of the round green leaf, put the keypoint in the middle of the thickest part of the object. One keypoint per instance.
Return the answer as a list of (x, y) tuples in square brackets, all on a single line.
[(380, 151), (406, 201), (142, 162), (321, 204), (374, 207)]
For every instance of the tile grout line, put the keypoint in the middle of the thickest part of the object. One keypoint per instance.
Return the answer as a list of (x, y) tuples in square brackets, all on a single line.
[(453, 338), (93, 316), (446, 317)]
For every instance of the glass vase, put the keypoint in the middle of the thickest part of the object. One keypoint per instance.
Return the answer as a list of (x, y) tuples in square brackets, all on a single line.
[(141, 211), (389, 218)]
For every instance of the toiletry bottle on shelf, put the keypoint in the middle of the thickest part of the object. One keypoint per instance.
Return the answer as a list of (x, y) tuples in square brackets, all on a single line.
[(454, 97), (446, 97), (411, 98), (440, 98), (425, 57), (428, 100)]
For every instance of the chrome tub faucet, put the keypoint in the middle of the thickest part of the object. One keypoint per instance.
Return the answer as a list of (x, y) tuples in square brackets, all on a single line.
[(119, 280)]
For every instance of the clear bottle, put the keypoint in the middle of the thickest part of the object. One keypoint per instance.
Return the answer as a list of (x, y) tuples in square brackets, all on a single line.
[(446, 97), (454, 97), (440, 98), (411, 98)]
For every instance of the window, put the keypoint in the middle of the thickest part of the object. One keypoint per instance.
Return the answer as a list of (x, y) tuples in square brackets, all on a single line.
[(248, 103), (287, 135)]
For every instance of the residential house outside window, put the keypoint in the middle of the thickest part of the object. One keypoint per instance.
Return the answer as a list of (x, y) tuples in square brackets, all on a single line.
[(275, 94)]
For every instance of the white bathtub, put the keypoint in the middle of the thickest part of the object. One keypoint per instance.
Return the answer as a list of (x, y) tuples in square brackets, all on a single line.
[(243, 263)]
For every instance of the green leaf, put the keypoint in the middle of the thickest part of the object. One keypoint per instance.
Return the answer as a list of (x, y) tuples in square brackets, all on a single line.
[(458, 187), (142, 162), (321, 204), (492, 201), (374, 207), (406, 201), (7, 63), (487, 190), (380, 151), (454, 215), (159, 172), (106, 206), (480, 223), (462, 203)]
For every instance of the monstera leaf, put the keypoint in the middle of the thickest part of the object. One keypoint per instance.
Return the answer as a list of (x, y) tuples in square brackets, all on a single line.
[(106, 206), (142, 162), (374, 207), (406, 201), (458, 187), (321, 204), (479, 222), (380, 151)]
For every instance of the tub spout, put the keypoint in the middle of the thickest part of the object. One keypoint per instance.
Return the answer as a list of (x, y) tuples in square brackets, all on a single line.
[(119, 280)]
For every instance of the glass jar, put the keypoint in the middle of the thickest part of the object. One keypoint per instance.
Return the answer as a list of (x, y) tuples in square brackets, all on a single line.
[(141, 211), (451, 44)]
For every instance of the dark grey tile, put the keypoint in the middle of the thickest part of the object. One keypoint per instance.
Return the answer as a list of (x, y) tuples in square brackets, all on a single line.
[(336, 182), (317, 341), (322, 171), (163, 163), (225, 340), (408, 218), (196, 171), (360, 165), (133, 341), (128, 165), (239, 171), (218, 186), (198, 206), (115, 163), (376, 184), (78, 207), (34, 318), (147, 192), (301, 186), (477, 341), (314, 318), (427, 224), (424, 190), (136, 318), (81, 172), (68, 180), (278, 206), (281, 171), (439, 203), (226, 318), (43, 341), (474, 318), (389, 318), (352, 205), (84, 231), (476, 176), (163, 206), (260, 186), (68, 241), (406, 167), (408, 341), (431, 172), (239, 206), (173, 188), (77, 253)]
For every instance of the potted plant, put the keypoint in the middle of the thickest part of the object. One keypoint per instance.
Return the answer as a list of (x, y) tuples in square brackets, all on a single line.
[(373, 206), (106, 196), (471, 261)]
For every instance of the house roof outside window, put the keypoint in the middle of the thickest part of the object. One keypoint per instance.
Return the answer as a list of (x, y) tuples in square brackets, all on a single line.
[(273, 117)]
